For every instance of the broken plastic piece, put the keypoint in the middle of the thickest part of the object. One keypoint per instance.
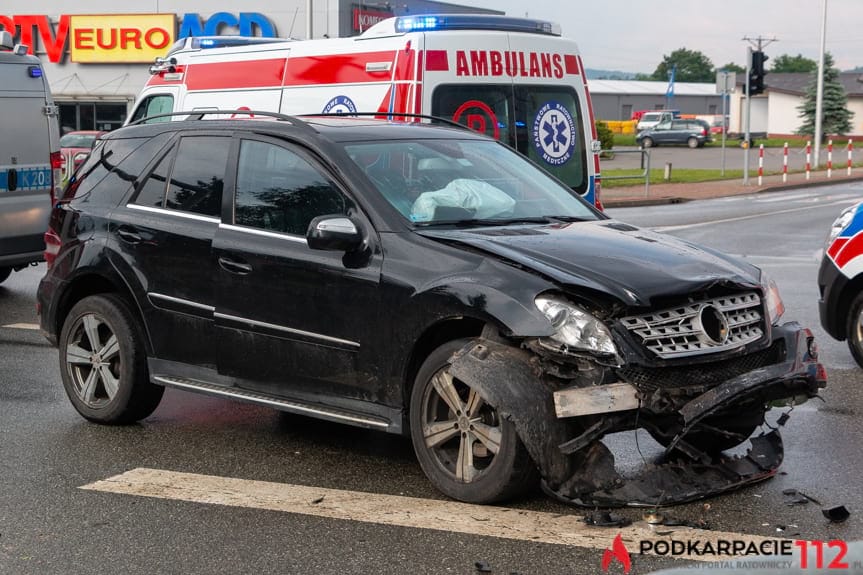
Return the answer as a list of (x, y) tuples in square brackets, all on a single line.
[(836, 514), (482, 567), (798, 497), (783, 419), (606, 519)]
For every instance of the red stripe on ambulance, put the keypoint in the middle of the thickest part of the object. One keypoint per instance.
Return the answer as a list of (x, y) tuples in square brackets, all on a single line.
[(227, 75), (339, 69), (852, 249)]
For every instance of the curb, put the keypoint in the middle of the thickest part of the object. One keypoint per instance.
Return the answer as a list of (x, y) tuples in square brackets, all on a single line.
[(779, 187)]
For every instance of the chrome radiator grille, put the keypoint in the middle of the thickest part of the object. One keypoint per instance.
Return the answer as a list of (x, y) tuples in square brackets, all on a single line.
[(701, 327)]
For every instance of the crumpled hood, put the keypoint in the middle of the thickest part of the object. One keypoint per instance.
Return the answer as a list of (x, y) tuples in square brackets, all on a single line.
[(633, 264)]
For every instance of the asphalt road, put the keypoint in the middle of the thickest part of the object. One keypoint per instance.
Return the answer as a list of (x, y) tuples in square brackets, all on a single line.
[(49, 525)]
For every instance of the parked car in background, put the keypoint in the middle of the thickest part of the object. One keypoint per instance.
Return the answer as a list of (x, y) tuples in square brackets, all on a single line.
[(651, 119), (415, 279), (693, 133), (29, 157), (75, 147), (840, 281)]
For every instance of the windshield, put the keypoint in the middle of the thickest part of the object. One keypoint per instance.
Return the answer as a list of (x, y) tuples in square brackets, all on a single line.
[(77, 140), (447, 181)]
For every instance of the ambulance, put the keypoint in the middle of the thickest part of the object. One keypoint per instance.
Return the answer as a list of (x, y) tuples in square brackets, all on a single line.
[(514, 79)]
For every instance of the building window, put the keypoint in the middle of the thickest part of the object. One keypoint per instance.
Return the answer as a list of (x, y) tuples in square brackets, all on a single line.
[(105, 116)]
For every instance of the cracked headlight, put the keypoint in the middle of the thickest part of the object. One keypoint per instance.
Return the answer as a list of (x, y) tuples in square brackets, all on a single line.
[(575, 328), (772, 300)]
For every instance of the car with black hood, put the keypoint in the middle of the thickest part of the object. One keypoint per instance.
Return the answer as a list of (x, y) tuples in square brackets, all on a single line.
[(419, 279)]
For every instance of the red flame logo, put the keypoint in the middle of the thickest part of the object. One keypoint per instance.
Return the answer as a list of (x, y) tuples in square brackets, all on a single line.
[(618, 551)]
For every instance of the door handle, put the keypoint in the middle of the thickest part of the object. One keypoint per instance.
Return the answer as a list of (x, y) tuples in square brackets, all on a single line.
[(129, 236), (234, 267)]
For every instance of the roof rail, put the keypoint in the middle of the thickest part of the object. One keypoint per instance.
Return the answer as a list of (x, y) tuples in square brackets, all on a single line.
[(195, 115), (389, 115)]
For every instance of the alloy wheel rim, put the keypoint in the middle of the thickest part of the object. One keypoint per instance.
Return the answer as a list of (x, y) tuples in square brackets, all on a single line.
[(858, 330), (460, 430), (93, 361)]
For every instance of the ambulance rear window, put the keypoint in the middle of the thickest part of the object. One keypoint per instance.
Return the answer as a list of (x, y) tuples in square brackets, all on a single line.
[(542, 122)]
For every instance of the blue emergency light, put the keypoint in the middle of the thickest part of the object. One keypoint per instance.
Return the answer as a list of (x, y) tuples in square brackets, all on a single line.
[(428, 22), (34, 71)]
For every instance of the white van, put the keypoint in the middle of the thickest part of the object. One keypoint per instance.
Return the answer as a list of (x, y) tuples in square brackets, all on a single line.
[(29, 157), (515, 79)]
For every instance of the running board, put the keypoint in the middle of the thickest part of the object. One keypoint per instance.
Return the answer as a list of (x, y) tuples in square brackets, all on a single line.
[(318, 411)]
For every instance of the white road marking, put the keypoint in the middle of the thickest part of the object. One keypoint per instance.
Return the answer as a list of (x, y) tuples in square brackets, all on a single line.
[(787, 198), (449, 516), (31, 326), (749, 217)]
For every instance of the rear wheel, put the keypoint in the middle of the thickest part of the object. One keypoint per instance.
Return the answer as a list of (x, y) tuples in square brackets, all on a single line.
[(647, 143), (103, 362), (464, 447), (4, 274), (854, 329), (692, 142)]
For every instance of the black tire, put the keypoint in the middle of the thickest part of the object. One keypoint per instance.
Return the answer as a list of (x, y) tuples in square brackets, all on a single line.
[(503, 475), (692, 142), (741, 424), (116, 388), (647, 142), (4, 274), (854, 329)]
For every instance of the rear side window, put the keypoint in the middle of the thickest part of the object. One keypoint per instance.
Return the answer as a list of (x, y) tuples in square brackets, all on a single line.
[(280, 191), (154, 105), (90, 182), (189, 177)]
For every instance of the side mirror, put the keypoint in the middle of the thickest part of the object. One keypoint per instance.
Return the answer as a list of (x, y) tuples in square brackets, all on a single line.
[(335, 233)]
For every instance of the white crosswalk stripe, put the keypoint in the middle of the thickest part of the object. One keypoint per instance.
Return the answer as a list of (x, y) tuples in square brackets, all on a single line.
[(394, 510)]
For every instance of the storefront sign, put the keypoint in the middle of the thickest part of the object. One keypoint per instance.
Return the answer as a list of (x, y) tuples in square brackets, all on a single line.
[(120, 37), (365, 19), (124, 38)]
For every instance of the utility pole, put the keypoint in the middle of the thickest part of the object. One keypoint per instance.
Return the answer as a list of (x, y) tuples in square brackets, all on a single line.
[(819, 91), (759, 43)]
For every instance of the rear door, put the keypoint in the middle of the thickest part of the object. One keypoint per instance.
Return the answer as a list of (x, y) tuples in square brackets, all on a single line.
[(25, 160)]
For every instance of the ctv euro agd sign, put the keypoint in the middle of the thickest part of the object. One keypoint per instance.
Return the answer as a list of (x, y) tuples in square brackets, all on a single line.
[(122, 38)]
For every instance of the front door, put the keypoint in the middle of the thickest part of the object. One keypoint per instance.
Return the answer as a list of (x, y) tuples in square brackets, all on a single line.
[(291, 319)]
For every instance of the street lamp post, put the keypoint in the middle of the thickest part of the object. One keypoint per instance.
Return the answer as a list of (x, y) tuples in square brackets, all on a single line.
[(819, 94)]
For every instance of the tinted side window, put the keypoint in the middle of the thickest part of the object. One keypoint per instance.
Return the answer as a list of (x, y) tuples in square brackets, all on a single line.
[(125, 160), (103, 158), (153, 105), (278, 190), (199, 175), (152, 193)]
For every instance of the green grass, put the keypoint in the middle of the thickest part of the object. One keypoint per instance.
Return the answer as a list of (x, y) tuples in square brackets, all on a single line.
[(678, 175), (629, 140)]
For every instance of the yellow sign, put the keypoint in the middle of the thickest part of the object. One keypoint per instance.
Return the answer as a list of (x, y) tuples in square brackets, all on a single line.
[(124, 38)]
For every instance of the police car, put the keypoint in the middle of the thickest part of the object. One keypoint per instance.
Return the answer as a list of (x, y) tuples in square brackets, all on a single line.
[(840, 281)]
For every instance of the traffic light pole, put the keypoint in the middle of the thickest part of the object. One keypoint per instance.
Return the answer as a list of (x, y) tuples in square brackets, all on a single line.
[(746, 113)]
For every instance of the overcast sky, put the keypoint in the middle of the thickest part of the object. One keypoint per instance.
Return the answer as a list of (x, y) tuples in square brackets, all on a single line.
[(633, 35)]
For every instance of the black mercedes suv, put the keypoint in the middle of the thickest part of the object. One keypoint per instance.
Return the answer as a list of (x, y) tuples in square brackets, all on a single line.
[(415, 278)]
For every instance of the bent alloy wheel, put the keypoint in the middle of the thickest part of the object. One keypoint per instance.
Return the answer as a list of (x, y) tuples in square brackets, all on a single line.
[(103, 362), (854, 329), (463, 445)]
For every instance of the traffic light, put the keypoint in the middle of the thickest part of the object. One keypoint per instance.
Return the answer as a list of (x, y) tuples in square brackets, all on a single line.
[(757, 73)]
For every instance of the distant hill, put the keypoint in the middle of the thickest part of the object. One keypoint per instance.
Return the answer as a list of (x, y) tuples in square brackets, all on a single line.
[(593, 74)]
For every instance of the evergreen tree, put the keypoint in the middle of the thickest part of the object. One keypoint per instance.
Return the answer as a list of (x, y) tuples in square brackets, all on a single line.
[(692, 66), (836, 117)]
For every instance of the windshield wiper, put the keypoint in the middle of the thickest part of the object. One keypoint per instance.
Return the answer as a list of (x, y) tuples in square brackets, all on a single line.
[(490, 221), (569, 219)]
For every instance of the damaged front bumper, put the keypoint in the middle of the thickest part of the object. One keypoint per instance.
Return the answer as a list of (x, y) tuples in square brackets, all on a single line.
[(561, 428)]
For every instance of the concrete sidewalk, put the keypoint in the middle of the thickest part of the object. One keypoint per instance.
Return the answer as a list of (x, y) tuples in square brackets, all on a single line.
[(674, 193)]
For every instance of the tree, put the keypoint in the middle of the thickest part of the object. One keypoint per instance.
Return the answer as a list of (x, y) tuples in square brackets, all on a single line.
[(799, 63), (836, 117), (732, 67), (692, 66)]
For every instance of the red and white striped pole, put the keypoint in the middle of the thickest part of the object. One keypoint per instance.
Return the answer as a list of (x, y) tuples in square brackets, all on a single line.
[(760, 163), (829, 158), (808, 158), (785, 163), (850, 148)]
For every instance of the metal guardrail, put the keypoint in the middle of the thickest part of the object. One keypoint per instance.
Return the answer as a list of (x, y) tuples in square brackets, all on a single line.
[(645, 164)]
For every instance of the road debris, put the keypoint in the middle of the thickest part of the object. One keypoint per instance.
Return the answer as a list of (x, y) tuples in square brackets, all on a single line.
[(606, 519), (836, 514)]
